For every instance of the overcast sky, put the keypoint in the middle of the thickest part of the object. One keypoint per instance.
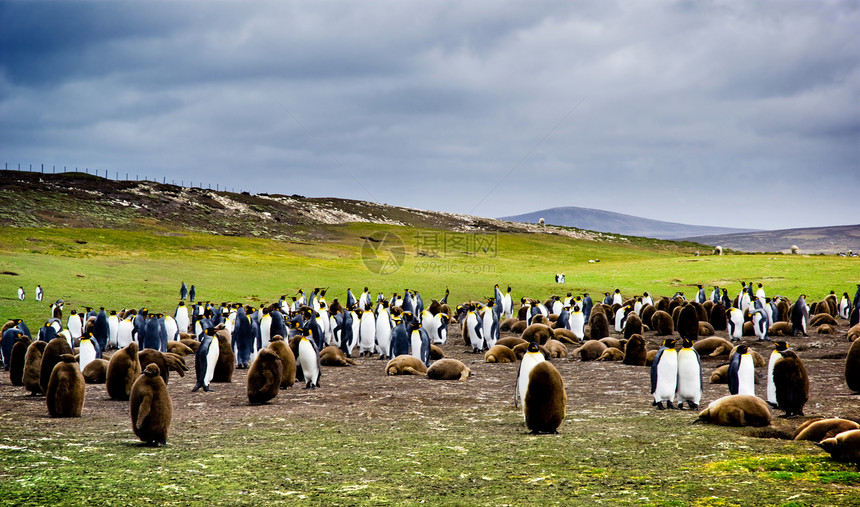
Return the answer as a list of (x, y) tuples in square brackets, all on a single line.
[(740, 114)]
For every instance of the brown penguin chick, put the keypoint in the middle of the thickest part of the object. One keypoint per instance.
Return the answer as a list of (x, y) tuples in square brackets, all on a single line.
[(545, 401), (33, 367), (749, 329), (852, 367), (556, 349), (179, 348), (791, 382), (843, 447), (151, 407), (66, 388), (662, 323), (264, 377), (853, 333), (780, 328), (688, 323), (507, 324), (613, 342), (713, 346), (540, 319), (288, 359), (500, 354), (611, 354), (736, 410), (565, 336), (825, 329), (717, 317), (521, 349), (226, 358), (122, 371), (705, 329), (18, 357), (822, 318), (537, 333), (701, 312), (635, 351), (448, 369), (650, 356), (646, 314), (632, 326), (784, 310), (720, 375), (662, 304), (510, 341), (333, 356), (96, 371), (816, 430), (436, 352), (676, 315), (590, 350), (519, 326), (599, 326), (192, 344), (50, 357), (708, 305), (165, 362), (405, 365)]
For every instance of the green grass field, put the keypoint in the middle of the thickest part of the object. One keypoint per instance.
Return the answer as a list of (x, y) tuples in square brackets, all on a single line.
[(480, 458), (117, 269)]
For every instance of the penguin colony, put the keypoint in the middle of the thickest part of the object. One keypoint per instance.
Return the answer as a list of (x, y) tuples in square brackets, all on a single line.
[(282, 342)]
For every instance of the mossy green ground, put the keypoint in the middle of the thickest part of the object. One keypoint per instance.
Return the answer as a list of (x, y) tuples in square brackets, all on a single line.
[(483, 457)]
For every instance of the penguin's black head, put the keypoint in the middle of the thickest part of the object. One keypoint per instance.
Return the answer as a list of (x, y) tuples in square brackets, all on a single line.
[(210, 331), (699, 285), (688, 343), (742, 349), (617, 291), (780, 346), (533, 347), (759, 285), (670, 343)]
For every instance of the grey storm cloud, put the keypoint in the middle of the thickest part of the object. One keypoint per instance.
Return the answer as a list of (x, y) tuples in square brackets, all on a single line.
[(727, 113)]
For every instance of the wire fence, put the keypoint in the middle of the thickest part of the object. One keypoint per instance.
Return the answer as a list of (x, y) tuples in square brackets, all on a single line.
[(115, 175)]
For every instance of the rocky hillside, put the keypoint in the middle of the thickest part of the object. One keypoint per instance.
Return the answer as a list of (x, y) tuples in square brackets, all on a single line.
[(85, 201)]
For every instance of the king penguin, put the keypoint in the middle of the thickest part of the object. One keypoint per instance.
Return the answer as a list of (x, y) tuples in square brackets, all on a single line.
[(476, 332), (206, 358), (759, 320), (87, 352), (664, 374), (531, 358), (742, 372), (181, 317), (736, 323), (799, 316), (577, 322), (507, 304), (383, 330), (419, 341), (399, 340), (309, 359), (689, 376), (775, 356), (113, 328)]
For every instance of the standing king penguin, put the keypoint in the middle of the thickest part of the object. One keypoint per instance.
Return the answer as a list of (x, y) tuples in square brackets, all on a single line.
[(689, 376), (664, 375), (742, 372)]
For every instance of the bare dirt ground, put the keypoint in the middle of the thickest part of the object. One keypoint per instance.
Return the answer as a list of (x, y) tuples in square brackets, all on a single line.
[(363, 392)]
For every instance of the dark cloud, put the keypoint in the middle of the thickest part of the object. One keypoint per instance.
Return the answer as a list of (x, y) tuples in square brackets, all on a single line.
[(718, 113)]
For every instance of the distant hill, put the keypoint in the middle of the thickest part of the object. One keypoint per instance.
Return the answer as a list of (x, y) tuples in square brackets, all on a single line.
[(618, 223), (827, 240)]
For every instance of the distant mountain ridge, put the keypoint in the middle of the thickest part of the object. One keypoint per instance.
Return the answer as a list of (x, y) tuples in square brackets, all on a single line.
[(619, 223), (809, 240)]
